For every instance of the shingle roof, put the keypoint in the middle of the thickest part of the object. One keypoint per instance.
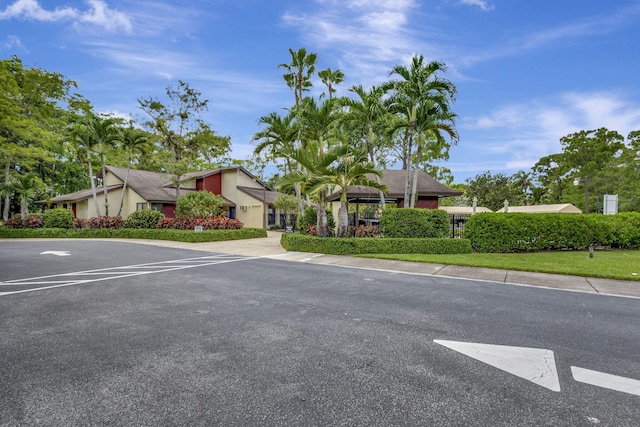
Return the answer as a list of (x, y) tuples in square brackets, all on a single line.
[(151, 186), (81, 195), (395, 181)]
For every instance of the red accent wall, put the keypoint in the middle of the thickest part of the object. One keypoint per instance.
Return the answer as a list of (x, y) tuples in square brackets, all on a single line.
[(169, 211), (423, 203), (213, 184), (199, 184)]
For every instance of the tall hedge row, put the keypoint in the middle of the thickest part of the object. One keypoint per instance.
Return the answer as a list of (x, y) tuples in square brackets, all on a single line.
[(414, 223), (517, 232)]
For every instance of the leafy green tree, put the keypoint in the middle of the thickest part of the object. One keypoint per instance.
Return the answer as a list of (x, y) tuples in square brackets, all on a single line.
[(199, 204), (31, 111), (491, 190), (588, 152), (183, 132)]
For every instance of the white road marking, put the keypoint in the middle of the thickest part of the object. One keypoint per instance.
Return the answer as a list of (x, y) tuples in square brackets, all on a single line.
[(57, 253), (601, 379), (537, 365), (117, 273)]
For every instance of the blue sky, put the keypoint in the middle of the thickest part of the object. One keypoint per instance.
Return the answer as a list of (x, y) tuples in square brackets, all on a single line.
[(528, 71)]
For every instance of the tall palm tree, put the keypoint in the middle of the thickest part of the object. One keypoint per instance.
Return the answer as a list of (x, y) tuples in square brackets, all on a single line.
[(331, 78), (132, 140), (299, 71), (432, 120), (102, 133), (27, 187), (419, 83), (367, 111), (278, 138), (82, 147)]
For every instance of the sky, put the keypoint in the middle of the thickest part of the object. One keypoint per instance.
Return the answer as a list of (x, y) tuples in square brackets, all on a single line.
[(528, 72)]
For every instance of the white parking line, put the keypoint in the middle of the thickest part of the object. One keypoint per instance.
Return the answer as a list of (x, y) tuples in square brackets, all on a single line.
[(117, 273)]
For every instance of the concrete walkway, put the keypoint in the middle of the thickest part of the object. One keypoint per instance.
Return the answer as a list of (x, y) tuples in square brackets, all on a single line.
[(270, 248)]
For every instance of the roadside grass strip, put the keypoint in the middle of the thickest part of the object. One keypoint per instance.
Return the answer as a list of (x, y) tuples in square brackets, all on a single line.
[(40, 283)]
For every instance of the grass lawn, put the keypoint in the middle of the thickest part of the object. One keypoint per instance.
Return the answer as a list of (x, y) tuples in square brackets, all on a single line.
[(624, 265)]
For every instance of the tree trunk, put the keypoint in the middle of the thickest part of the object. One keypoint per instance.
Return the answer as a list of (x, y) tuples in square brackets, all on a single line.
[(322, 228), (24, 209), (407, 178), (93, 187), (343, 219), (104, 186), (7, 196), (124, 189), (416, 169)]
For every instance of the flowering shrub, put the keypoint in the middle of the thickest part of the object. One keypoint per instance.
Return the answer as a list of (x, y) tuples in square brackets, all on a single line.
[(364, 231), (212, 223), (312, 230), (79, 223), (113, 222), (32, 221)]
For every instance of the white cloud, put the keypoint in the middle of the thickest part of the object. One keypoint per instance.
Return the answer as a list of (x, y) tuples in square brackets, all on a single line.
[(482, 4), (521, 134), (13, 43), (99, 14)]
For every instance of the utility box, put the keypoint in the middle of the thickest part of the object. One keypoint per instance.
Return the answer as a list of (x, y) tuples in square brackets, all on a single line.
[(610, 204)]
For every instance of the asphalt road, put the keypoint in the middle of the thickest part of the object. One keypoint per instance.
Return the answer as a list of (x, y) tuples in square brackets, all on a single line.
[(122, 334)]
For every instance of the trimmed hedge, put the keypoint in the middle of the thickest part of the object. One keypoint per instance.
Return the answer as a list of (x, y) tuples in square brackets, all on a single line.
[(352, 246), (414, 223), (188, 236), (518, 232)]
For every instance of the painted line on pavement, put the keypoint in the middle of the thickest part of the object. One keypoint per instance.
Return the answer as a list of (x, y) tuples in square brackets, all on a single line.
[(609, 381), (173, 265)]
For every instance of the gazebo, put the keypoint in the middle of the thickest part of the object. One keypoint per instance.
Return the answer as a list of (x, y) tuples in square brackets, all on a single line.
[(429, 191)]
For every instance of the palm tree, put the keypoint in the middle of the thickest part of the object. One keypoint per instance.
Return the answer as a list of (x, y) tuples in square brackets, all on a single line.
[(102, 132), (27, 187), (331, 78), (278, 139), (367, 111), (432, 120), (299, 71), (132, 140), (341, 166), (82, 147), (419, 83)]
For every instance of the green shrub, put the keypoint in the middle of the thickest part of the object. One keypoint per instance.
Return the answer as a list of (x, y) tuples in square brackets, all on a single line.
[(58, 218), (199, 204), (517, 232), (145, 218), (352, 246), (414, 223), (309, 219)]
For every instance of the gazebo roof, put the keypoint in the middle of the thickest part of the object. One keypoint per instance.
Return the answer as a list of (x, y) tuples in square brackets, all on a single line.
[(395, 182)]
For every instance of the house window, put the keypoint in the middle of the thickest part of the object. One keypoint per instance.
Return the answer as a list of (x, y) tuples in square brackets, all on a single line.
[(156, 207), (141, 206)]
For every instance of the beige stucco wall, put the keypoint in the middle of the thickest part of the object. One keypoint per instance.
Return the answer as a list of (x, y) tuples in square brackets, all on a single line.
[(248, 210)]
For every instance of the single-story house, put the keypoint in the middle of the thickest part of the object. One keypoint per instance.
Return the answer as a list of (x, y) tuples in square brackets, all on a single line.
[(245, 196), (565, 208)]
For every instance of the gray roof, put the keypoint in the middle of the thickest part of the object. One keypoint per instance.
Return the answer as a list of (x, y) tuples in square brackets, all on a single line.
[(151, 186), (80, 195), (395, 181)]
